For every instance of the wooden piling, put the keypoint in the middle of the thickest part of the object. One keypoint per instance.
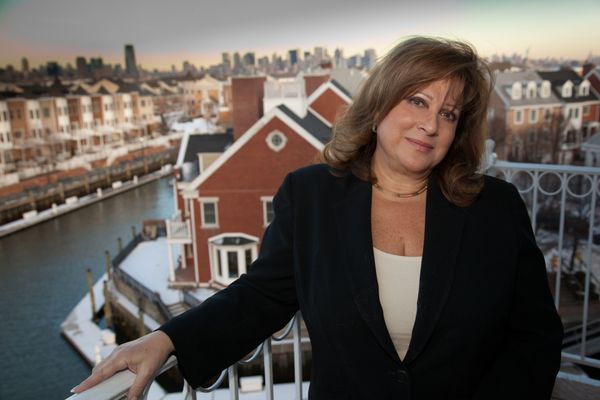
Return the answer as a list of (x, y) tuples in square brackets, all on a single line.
[(133, 232), (107, 263), (120, 244), (107, 309), (90, 283)]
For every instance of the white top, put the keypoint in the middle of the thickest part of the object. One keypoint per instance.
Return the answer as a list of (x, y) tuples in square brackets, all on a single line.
[(398, 280)]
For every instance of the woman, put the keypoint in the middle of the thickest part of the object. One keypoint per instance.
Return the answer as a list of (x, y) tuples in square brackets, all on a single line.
[(417, 277)]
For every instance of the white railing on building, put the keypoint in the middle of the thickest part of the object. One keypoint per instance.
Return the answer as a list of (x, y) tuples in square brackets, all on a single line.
[(178, 229), (564, 196)]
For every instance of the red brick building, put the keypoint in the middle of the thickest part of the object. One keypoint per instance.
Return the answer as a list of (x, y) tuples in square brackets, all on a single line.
[(229, 204)]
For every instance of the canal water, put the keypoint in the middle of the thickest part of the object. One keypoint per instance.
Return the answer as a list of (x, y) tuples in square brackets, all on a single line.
[(42, 277)]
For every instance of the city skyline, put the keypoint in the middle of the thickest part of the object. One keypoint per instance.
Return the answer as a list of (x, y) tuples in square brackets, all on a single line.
[(164, 35)]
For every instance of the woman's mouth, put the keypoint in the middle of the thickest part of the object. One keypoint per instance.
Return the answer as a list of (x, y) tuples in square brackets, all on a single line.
[(420, 146)]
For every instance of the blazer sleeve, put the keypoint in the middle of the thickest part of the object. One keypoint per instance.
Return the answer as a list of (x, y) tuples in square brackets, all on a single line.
[(529, 361), (231, 323)]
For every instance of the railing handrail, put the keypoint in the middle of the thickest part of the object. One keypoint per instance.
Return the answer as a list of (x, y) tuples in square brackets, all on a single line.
[(546, 167), (115, 387)]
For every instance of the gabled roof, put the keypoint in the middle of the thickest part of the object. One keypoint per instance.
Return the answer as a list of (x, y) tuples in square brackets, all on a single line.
[(80, 91), (280, 112), (205, 143), (341, 88), (310, 123)]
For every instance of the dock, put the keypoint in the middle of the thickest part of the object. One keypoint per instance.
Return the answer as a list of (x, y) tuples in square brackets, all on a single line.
[(74, 203)]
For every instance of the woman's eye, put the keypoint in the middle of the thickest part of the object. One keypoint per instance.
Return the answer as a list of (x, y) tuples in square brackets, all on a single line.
[(450, 116), (417, 101)]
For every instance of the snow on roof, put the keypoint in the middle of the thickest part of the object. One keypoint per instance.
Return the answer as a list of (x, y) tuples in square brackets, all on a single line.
[(148, 263)]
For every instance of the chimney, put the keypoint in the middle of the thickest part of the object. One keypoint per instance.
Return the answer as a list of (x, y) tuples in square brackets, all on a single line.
[(247, 102)]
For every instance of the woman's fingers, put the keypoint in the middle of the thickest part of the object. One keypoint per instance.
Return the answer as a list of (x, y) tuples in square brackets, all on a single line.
[(101, 372), (143, 356)]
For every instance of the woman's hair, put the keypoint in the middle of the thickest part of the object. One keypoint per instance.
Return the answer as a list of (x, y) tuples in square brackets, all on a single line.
[(407, 68)]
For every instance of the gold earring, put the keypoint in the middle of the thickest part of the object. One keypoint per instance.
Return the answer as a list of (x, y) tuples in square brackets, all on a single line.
[(374, 128)]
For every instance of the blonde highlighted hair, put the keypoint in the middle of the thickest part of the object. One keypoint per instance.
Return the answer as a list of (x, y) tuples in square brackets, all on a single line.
[(408, 67)]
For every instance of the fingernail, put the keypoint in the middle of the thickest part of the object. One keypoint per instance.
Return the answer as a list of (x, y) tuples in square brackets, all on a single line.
[(73, 390)]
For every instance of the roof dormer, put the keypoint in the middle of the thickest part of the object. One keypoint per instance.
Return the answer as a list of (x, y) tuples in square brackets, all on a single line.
[(567, 89), (531, 90), (584, 88), (517, 91), (545, 92)]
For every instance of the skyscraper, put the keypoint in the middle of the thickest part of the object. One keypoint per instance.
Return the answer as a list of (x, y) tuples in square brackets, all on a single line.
[(130, 64), (24, 65), (81, 66), (293, 56)]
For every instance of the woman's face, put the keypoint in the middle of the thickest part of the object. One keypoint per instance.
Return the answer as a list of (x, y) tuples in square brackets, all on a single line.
[(417, 133)]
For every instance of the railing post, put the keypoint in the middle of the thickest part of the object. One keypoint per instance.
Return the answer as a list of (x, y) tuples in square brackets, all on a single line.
[(297, 356), (268, 361), (232, 376), (588, 268)]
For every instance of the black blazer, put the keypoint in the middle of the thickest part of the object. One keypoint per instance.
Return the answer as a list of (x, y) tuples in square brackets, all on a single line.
[(486, 327)]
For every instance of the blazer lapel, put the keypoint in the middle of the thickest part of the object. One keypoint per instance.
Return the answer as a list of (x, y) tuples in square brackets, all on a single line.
[(353, 217), (443, 231)]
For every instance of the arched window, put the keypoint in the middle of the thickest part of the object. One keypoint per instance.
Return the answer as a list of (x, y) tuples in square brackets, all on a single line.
[(516, 91), (584, 88), (567, 89)]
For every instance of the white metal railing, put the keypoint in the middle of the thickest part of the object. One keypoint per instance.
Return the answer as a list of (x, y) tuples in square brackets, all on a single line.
[(116, 387), (562, 201), (178, 229)]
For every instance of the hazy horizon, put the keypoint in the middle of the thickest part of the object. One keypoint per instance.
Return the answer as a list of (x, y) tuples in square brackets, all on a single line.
[(164, 34)]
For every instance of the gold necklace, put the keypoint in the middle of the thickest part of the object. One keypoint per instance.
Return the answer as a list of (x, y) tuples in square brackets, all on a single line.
[(400, 195)]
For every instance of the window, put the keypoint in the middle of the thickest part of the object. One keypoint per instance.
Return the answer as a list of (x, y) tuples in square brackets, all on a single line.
[(31, 114), (46, 112), (37, 114), (516, 91), (232, 263), (545, 89), (231, 255), (547, 115), (249, 258), (268, 212), (4, 115), (584, 88), (586, 110), (209, 211), (531, 89), (533, 116), (18, 114), (576, 114), (518, 117), (567, 89), (276, 141)]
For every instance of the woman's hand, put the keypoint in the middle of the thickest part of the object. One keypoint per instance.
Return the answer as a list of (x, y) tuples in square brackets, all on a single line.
[(143, 356)]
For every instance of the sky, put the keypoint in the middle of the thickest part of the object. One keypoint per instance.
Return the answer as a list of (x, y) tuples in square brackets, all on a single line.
[(169, 32)]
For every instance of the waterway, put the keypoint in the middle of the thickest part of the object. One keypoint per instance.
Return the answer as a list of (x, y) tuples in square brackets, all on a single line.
[(42, 277)]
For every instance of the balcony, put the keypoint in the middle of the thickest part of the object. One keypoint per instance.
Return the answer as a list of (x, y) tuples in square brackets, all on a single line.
[(563, 204), (178, 232)]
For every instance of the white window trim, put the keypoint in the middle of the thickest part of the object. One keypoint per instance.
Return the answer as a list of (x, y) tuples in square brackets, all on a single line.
[(533, 112), (220, 251), (214, 200), (518, 121), (265, 200)]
